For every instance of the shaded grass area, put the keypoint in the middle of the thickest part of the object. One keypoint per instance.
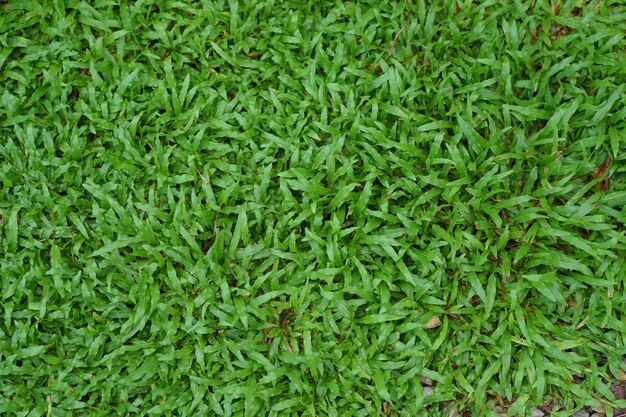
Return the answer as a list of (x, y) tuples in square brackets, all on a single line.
[(263, 208)]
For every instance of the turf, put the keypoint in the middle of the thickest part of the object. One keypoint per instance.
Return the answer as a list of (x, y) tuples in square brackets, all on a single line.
[(288, 208)]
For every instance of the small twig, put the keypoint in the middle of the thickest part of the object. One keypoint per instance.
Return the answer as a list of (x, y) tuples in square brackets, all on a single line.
[(406, 25)]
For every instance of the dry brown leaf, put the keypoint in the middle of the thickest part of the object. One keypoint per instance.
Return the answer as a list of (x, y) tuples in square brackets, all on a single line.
[(432, 323), (620, 394), (604, 184), (454, 412), (619, 391), (601, 170)]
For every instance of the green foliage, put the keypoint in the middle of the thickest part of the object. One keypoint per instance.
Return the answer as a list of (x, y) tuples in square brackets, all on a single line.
[(260, 208)]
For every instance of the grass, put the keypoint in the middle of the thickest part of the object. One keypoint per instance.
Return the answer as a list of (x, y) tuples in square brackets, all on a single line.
[(287, 208)]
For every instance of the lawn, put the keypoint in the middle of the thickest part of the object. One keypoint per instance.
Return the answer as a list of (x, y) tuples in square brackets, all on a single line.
[(326, 208)]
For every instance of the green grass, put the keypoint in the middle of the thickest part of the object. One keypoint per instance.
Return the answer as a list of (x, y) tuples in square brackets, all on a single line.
[(263, 208)]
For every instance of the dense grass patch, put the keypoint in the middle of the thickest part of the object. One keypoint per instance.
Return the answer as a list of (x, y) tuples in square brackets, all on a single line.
[(250, 208)]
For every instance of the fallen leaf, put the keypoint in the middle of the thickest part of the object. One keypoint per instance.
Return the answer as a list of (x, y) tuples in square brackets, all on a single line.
[(601, 170), (620, 393), (432, 323), (604, 184), (426, 381), (598, 409)]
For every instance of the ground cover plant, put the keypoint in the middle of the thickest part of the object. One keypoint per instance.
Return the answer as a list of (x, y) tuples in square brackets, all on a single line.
[(329, 208)]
